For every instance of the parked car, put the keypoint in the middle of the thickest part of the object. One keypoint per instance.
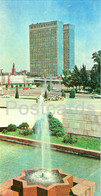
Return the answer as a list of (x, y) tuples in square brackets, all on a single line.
[(25, 88), (33, 86)]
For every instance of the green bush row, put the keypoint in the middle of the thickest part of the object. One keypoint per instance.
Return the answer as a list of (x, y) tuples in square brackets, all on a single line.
[(26, 132)]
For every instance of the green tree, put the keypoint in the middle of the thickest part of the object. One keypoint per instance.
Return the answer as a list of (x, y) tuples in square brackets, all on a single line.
[(48, 87), (96, 56), (95, 72), (17, 93), (45, 95), (76, 79), (94, 79), (66, 79), (28, 74), (55, 126), (84, 76), (72, 93)]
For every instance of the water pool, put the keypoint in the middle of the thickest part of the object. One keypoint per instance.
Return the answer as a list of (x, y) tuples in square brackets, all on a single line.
[(15, 157)]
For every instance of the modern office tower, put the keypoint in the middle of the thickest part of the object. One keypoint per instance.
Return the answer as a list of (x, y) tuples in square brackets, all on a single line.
[(68, 46), (50, 48), (46, 48)]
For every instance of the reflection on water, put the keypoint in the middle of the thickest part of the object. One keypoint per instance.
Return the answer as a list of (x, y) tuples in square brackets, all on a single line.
[(16, 157)]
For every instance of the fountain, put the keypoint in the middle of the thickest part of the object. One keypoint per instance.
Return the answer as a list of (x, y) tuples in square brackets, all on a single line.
[(42, 132)]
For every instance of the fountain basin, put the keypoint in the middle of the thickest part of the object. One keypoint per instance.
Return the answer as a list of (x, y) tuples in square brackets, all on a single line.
[(63, 185), (54, 182)]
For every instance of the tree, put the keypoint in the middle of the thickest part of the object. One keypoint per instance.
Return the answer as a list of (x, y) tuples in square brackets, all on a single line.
[(72, 93), (76, 79), (66, 79), (55, 126), (84, 76), (73, 79), (95, 72), (96, 56), (45, 95), (16, 94), (94, 79)]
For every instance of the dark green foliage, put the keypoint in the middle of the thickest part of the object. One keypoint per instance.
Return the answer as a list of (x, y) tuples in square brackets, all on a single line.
[(6, 86), (26, 132), (69, 138), (45, 96), (23, 125), (66, 79), (63, 93), (84, 77), (96, 56), (38, 84), (4, 131), (97, 90), (48, 87), (76, 79), (28, 74), (72, 93), (16, 94), (11, 127), (94, 79), (11, 85), (55, 126)]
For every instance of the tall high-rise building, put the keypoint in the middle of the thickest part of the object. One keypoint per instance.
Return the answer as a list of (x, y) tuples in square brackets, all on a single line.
[(51, 48), (68, 46)]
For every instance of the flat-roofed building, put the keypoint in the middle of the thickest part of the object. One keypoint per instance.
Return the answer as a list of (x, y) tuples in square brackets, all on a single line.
[(47, 51), (68, 46)]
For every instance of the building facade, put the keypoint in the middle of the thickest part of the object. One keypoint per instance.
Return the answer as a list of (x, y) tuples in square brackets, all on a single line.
[(68, 46), (50, 47)]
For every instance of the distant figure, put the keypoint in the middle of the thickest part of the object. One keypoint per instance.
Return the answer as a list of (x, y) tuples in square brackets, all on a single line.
[(37, 100)]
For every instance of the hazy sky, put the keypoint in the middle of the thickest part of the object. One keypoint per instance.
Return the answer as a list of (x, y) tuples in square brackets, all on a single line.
[(17, 15)]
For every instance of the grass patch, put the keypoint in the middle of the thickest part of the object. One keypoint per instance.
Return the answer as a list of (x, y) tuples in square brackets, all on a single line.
[(83, 141)]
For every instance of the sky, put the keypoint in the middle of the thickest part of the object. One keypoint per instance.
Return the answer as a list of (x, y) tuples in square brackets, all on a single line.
[(17, 15)]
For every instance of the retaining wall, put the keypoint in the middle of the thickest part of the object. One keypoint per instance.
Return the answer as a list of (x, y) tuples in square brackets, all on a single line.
[(83, 122)]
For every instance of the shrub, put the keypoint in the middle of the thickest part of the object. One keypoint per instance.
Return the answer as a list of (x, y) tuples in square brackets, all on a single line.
[(48, 87), (45, 96), (26, 132), (69, 138), (55, 126), (72, 93), (4, 131), (38, 84), (11, 127), (16, 94), (23, 125), (97, 91), (63, 93)]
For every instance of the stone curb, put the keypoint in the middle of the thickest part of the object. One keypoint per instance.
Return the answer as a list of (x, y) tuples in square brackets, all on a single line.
[(59, 147)]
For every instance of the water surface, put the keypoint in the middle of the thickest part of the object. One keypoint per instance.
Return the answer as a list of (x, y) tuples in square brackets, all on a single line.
[(16, 157)]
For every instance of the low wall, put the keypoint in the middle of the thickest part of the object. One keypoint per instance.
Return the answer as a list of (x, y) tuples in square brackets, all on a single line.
[(82, 122), (59, 147)]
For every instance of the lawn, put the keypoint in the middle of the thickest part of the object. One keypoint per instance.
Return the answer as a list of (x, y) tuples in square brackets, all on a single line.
[(82, 141)]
